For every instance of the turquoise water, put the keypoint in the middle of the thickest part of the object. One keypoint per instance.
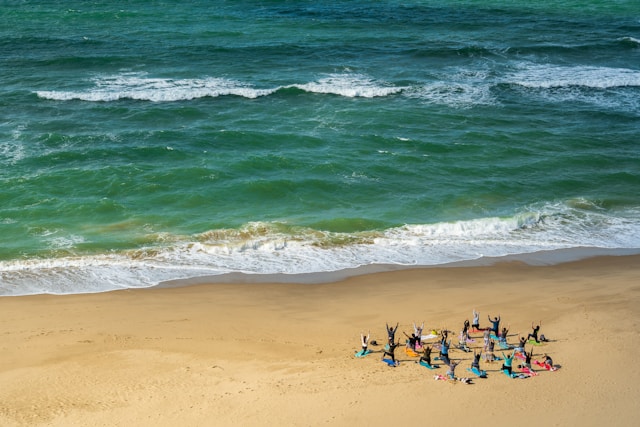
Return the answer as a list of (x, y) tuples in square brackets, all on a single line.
[(149, 141)]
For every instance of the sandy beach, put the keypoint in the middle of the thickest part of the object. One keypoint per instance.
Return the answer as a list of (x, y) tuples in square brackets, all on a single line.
[(256, 354)]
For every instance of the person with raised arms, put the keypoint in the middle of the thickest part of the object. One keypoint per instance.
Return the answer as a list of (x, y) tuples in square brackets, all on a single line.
[(495, 324), (508, 361), (476, 320), (391, 333), (534, 333)]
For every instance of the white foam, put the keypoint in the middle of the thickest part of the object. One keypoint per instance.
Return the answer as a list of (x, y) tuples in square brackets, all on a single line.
[(265, 248), (350, 85), (138, 86), (12, 151), (547, 76), (631, 40), (457, 88)]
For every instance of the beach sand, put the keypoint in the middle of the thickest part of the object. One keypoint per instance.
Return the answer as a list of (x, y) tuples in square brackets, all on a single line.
[(256, 354)]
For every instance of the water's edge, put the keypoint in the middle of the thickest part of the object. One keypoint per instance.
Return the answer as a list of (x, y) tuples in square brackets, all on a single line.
[(541, 258)]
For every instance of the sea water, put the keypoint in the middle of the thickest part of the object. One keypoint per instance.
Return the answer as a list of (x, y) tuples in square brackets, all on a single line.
[(147, 141)]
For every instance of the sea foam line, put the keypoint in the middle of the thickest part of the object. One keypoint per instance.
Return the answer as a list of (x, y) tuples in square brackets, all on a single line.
[(265, 248), (138, 86)]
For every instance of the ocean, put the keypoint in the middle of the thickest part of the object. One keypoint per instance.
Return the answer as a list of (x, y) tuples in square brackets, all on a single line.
[(151, 141)]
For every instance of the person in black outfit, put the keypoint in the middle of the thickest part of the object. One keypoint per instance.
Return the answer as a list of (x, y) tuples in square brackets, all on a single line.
[(495, 324), (534, 334), (391, 351)]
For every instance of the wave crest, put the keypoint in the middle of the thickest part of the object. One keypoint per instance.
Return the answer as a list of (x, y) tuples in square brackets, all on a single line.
[(281, 248), (137, 86)]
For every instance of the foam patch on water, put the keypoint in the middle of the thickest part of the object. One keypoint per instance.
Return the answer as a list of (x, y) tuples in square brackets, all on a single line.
[(12, 150), (547, 76), (457, 88), (604, 87)]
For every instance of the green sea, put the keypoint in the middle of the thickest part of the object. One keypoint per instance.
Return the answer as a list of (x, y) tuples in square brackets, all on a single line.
[(149, 141)]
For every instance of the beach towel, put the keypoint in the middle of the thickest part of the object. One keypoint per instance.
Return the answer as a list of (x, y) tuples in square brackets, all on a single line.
[(426, 365), (410, 352), (514, 374), (429, 337), (363, 353), (463, 380), (503, 345), (545, 366), (529, 371), (478, 372), (391, 362)]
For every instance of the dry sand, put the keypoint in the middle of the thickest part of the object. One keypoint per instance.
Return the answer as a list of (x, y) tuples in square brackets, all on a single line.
[(282, 354)]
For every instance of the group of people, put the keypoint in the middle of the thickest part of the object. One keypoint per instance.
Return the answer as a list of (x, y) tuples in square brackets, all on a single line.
[(491, 335)]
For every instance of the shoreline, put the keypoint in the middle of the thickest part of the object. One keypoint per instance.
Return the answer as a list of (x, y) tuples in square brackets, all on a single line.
[(539, 258), (69, 278), (283, 353)]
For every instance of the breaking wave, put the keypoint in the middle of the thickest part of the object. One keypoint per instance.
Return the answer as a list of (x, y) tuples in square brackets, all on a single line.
[(278, 248)]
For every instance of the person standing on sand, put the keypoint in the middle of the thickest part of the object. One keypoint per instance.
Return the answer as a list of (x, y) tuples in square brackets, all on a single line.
[(391, 351), (489, 356), (487, 338), (444, 350), (451, 373), (365, 341), (504, 333), (508, 361), (476, 320), (412, 340), (426, 357), (391, 333), (495, 324), (476, 360), (417, 330), (527, 358), (503, 337), (534, 334)]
